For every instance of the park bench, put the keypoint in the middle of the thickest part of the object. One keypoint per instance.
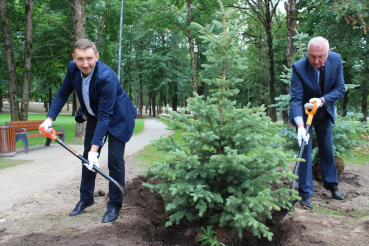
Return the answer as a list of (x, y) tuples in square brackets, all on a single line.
[(22, 129)]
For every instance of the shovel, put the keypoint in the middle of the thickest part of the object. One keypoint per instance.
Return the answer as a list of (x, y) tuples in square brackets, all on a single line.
[(308, 124), (54, 137)]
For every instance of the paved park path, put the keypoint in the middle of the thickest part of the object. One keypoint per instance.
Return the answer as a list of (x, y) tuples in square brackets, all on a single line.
[(46, 168)]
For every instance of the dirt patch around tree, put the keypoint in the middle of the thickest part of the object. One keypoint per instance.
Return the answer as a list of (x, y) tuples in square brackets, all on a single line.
[(45, 221)]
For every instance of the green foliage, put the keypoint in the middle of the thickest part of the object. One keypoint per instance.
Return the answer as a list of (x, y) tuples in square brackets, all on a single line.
[(209, 237), (354, 12), (301, 45), (225, 171)]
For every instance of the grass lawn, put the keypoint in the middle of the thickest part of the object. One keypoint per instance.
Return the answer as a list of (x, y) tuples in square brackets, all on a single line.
[(5, 163), (150, 154)]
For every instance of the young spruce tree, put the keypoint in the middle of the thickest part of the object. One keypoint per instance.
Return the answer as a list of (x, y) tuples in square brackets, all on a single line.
[(231, 157)]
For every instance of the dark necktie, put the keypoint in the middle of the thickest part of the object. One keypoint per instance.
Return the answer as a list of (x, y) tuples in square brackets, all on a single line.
[(321, 110), (321, 78)]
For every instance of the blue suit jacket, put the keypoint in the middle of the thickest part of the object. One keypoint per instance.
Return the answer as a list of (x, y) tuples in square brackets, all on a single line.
[(304, 86), (109, 102)]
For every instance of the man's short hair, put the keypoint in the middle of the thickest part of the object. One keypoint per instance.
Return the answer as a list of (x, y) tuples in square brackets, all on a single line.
[(84, 44), (317, 40)]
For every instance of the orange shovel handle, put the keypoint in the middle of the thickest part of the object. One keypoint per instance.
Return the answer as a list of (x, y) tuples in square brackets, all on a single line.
[(51, 135), (311, 114)]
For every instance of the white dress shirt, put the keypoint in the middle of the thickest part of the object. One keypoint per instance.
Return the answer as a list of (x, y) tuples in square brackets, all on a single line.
[(85, 91)]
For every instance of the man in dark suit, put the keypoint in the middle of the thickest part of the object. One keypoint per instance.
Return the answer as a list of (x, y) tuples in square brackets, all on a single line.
[(318, 77), (109, 113)]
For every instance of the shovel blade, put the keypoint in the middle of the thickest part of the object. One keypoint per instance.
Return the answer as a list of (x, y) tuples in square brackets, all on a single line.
[(293, 206)]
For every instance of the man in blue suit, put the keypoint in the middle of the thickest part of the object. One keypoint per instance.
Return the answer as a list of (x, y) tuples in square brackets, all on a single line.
[(318, 77), (109, 113)]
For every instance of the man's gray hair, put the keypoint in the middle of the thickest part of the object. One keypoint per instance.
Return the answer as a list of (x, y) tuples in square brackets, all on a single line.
[(84, 44), (317, 41)]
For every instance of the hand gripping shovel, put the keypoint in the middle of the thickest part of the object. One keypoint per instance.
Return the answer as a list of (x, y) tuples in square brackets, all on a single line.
[(54, 137), (308, 124)]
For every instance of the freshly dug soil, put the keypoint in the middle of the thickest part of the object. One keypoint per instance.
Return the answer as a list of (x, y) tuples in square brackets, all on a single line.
[(45, 221)]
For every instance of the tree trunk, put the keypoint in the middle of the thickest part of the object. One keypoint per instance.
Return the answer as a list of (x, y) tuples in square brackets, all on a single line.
[(364, 106), (290, 8), (27, 61), (146, 103), (150, 106), (107, 5), (191, 45), (141, 96), (1, 100), (262, 101), (268, 28), (153, 101), (291, 26), (158, 103), (10, 60), (46, 105), (78, 11), (50, 96), (175, 98), (130, 91)]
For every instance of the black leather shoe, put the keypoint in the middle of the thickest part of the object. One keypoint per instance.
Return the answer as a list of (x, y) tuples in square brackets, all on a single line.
[(306, 202), (110, 215), (80, 207), (336, 194)]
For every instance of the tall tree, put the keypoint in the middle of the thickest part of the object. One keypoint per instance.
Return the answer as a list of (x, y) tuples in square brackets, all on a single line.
[(78, 11), (27, 60), (264, 11), (107, 6), (191, 44), (291, 17), (10, 60), (290, 8)]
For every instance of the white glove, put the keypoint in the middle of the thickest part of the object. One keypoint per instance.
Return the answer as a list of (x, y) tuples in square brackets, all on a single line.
[(92, 159), (47, 124), (310, 104), (301, 135)]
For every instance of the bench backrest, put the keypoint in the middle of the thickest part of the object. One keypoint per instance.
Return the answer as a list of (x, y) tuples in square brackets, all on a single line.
[(31, 125)]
